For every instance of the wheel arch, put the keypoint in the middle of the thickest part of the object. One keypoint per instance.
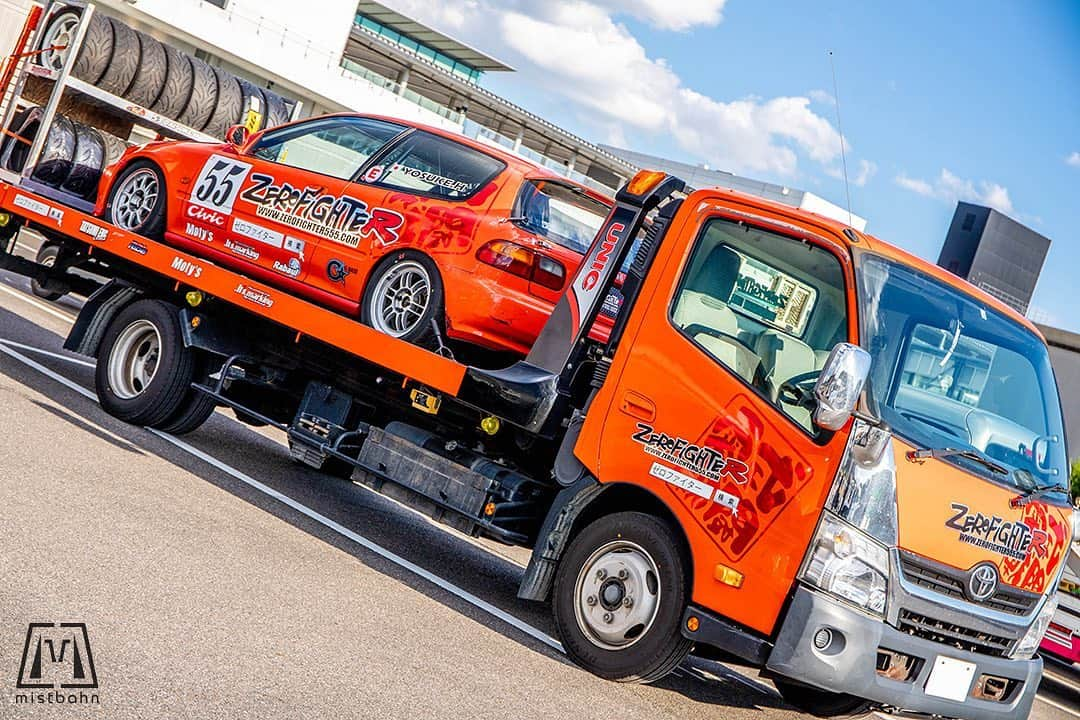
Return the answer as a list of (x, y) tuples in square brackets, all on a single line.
[(110, 174), (387, 257)]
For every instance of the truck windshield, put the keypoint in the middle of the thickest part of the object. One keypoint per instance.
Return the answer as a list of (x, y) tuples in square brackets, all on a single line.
[(950, 372), (563, 214)]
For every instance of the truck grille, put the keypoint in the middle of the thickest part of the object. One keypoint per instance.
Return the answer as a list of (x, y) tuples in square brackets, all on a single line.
[(957, 636), (950, 582)]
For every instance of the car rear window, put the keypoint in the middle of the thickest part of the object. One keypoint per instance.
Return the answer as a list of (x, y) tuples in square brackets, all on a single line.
[(564, 214), (432, 165)]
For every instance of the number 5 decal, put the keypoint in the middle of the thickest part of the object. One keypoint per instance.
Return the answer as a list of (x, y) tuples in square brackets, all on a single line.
[(219, 183)]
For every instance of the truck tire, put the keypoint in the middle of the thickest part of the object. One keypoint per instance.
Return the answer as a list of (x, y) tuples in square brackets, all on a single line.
[(86, 164), (144, 372), (203, 98), (137, 200), (403, 297), (277, 112), (124, 62), (150, 77), (620, 591), (195, 410), (47, 255), (247, 92), (57, 154), (820, 703), (228, 108), (177, 89)]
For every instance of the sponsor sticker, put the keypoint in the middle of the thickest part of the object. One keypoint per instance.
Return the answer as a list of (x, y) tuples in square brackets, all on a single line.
[(433, 178), (1012, 539), (219, 182), (337, 271), (199, 233), (194, 212), (39, 208), (373, 174), (94, 231), (705, 461), (695, 486), (192, 270), (255, 295), (290, 268), (244, 251), (295, 246), (258, 232), (137, 248)]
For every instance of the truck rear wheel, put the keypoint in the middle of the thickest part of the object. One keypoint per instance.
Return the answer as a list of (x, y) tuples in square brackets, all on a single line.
[(620, 591), (144, 372), (47, 255)]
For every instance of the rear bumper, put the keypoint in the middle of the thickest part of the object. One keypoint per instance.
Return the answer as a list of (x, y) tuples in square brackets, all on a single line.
[(847, 665)]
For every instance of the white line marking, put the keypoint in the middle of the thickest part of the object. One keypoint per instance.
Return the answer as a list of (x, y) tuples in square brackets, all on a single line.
[(1059, 679), (39, 351), (40, 306), (71, 384), (1058, 705)]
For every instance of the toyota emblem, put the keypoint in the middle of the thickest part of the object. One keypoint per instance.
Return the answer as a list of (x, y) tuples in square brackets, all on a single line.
[(982, 582)]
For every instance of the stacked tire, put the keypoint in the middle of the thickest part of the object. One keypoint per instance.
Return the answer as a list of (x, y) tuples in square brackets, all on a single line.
[(131, 64)]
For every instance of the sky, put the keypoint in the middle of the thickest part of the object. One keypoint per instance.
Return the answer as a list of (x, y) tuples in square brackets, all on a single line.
[(963, 100)]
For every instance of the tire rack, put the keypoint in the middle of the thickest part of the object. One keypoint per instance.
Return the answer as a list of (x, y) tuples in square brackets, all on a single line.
[(63, 81)]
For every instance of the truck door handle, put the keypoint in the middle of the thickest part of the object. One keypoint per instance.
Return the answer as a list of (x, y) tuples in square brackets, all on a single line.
[(639, 406)]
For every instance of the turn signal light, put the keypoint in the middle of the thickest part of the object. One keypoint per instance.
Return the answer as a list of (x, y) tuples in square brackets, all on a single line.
[(523, 262), (728, 576), (644, 181)]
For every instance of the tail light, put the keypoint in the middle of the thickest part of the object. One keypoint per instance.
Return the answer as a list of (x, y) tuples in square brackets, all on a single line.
[(523, 262)]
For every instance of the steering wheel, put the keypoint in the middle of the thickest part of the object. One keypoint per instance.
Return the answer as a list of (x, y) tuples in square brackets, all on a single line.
[(799, 389)]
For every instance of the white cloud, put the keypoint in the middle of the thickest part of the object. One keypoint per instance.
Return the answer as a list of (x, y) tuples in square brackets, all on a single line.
[(821, 97), (579, 50), (865, 170), (951, 188), (1073, 159)]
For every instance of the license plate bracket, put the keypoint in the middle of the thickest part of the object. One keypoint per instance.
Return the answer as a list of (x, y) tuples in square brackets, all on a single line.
[(950, 678)]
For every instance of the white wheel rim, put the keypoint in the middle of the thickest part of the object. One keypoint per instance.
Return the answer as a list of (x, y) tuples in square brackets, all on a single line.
[(401, 298), (61, 32), (617, 595), (133, 362), (135, 199)]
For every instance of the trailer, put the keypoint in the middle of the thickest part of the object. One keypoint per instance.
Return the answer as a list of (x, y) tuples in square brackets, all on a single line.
[(728, 470)]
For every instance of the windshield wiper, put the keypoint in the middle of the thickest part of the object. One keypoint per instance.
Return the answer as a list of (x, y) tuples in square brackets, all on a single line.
[(953, 452), (1035, 493)]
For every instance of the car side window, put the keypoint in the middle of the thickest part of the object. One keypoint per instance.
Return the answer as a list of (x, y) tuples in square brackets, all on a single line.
[(334, 146), (766, 306), (432, 165)]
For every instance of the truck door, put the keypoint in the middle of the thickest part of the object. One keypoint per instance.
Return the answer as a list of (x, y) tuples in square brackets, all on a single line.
[(726, 322)]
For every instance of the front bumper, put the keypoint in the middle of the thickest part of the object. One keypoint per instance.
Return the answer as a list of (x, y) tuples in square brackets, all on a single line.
[(848, 666)]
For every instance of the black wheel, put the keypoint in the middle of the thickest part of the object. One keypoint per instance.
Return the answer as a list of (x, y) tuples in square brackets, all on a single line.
[(404, 298), (204, 93), (178, 81), (144, 372), (150, 77), (277, 112), (55, 162), (249, 92), (47, 255), (195, 410), (137, 200), (82, 179), (124, 61), (620, 591), (229, 101), (820, 703)]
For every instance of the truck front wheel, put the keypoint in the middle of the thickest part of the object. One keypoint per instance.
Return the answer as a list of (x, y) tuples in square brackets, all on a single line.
[(620, 592), (820, 703)]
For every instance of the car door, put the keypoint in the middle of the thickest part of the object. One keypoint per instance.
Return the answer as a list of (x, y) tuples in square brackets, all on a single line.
[(299, 195), (745, 472)]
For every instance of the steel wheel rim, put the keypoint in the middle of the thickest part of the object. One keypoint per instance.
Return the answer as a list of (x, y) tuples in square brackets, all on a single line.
[(401, 298), (133, 362), (617, 595), (135, 199), (61, 32)]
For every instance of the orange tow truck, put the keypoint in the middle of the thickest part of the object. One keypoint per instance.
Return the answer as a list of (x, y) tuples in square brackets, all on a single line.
[(799, 446)]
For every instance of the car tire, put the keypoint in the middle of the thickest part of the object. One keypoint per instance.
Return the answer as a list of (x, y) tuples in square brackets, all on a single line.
[(57, 154), (144, 372), (130, 205), (150, 77), (15, 147), (114, 148), (48, 255), (89, 157), (178, 81), (385, 309), (96, 51), (124, 62), (204, 94), (277, 112), (820, 703), (229, 102), (247, 92), (624, 556)]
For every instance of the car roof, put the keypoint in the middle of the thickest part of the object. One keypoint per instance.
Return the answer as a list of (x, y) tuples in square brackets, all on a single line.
[(854, 239)]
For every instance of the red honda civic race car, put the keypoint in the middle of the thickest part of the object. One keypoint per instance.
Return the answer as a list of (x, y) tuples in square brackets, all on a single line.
[(418, 232)]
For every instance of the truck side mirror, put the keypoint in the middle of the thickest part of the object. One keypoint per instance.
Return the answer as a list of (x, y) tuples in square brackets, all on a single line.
[(237, 136), (839, 385)]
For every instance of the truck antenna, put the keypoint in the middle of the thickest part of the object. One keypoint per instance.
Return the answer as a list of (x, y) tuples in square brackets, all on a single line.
[(840, 129)]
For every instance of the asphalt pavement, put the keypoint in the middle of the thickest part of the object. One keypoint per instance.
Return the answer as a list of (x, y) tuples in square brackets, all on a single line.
[(216, 578)]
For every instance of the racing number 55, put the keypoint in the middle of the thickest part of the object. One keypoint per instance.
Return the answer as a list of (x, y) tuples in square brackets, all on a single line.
[(219, 183)]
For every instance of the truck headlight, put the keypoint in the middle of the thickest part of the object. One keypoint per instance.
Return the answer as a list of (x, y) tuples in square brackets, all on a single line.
[(847, 563), (1025, 649)]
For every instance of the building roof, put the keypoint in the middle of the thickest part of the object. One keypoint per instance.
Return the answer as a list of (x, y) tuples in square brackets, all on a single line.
[(428, 36)]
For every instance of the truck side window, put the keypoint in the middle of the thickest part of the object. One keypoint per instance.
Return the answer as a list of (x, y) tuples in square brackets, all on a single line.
[(766, 306)]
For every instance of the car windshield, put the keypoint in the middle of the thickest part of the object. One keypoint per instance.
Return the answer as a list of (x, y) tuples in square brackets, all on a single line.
[(950, 372), (563, 214)]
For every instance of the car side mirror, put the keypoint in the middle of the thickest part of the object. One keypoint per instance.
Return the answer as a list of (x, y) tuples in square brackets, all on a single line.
[(839, 385), (237, 136)]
